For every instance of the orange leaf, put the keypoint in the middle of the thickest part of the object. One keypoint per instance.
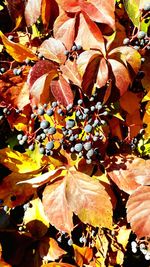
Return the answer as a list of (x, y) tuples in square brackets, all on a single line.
[(138, 211), (83, 255), (57, 264), (89, 35), (126, 171), (49, 249), (71, 73), (130, 102), (17, 51), (53, 49), (64, 29)]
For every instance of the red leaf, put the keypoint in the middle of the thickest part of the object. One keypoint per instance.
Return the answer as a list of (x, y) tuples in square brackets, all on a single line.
[(40, 91), (49, 12), (70, 6), (120, 72), (123, 170), (56, 206), (100, 11), (138, 211), (64, 29), (90, 74), (89, 35), (84, 58), (40, 68), (32, 11), (83, 255), (102, 76), (54, 50), (62, 92), (70, 72)]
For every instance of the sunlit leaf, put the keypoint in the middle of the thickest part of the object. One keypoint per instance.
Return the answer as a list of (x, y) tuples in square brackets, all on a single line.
[(18, 162), (70, 72), (64, 29), (57, 264), (62, 92), (123, 170), (57, 207), (53, 49), (130, 102), (49, 249), (83, 255), (32, 11), (138, 211), (16, 50), (89, 35)]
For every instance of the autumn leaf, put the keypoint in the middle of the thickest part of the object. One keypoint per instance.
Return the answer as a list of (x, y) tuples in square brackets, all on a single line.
[(13, 194), (130, 102), (83, 255), (57, 264), (138, 211), (49, 249), (62, 92), (70, 72), (66, 190), (35, 219), (18, 162), (54, 50), (124, 169), (32, 11), (64, 29), (16, 50)]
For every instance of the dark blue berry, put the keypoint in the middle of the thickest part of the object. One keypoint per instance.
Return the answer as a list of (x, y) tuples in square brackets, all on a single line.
[(126, 41), (52, 130), (141, 35), (78, 147), (80, 101), (41, 111), (19, 137), (88, 128), (70, 123), (50, 145), (87, 145), (49, 112), (44, 124)]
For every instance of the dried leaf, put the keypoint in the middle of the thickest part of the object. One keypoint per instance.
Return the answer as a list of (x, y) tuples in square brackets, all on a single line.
[(16, 50), (138, 211), (49, 249)]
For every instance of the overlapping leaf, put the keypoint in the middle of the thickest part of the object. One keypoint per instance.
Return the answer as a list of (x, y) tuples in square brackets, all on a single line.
[(138, 211), (59, 200), (32, 11), (49, 249)]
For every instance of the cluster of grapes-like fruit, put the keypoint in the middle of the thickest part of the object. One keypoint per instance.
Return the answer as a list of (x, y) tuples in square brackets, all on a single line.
[(78, 128), (141, 247)]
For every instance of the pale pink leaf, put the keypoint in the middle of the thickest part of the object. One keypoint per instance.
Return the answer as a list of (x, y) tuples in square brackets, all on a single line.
[(32, 11), (138, 211)]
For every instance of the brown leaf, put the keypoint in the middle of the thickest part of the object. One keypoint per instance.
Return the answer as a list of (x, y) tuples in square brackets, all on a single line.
[(123, 170), (83, 255), (53, 49), (49, 249), (138, 211), (62, 92), (16, 50), (32, 11)]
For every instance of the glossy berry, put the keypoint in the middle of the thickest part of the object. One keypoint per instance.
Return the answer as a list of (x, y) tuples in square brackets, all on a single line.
[(126, 41), (136, 47), (19, 137), (90, 153), (70, 242), (70, 123), (66, 52), (80, 101), (52, 130), (31, 147), (87, 146), (49, 112), (41, 150), (41, 111), (147, 7), (2, 70), (78, 147), (44, 124), (141, 35), (50, 145), (78, 47), (73, 48), (88, 128), (25, 138)]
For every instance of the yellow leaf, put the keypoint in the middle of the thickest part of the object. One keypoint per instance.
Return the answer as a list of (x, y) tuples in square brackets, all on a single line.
[(18, 162), (123, 236), (17, 51), (35, 219)]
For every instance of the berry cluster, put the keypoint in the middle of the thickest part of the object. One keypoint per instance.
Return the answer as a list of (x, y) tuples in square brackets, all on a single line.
[(73, 53), (78, 128), (141, 247)]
